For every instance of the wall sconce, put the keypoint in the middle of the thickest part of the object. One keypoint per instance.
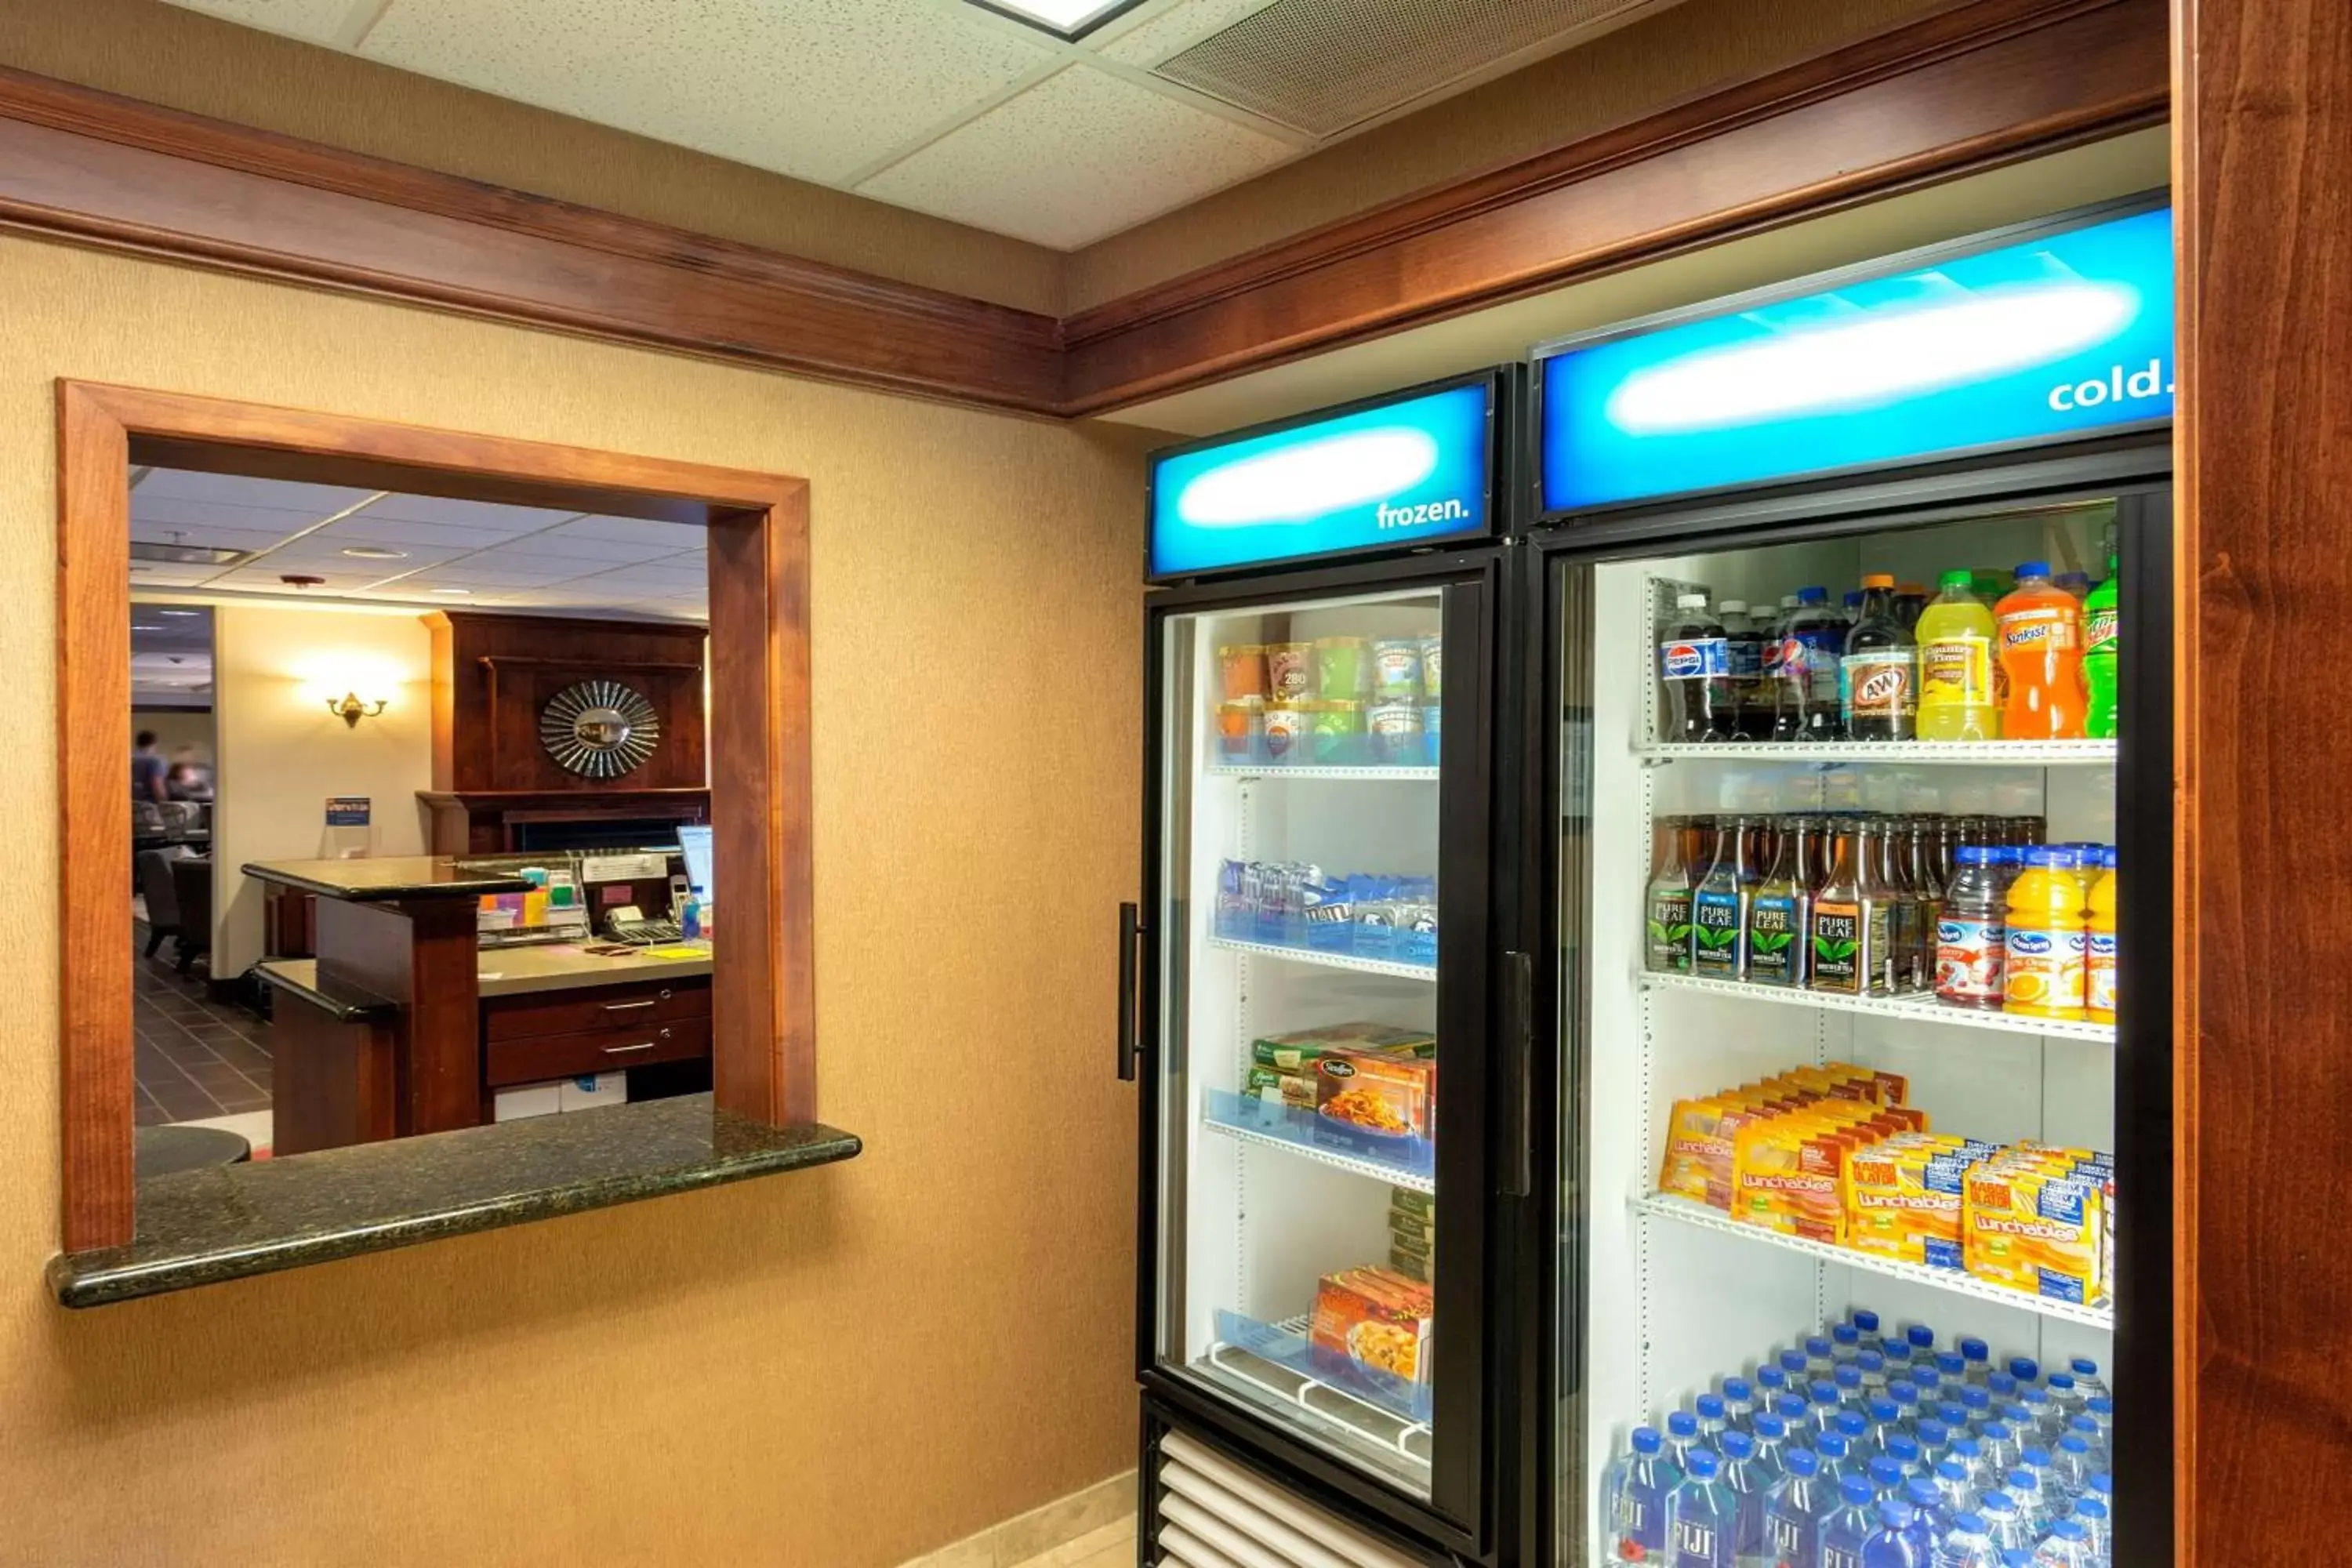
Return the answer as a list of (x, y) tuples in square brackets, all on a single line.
[(352, 709)]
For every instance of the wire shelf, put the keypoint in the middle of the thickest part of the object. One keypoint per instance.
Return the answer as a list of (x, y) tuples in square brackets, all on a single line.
[(2025, 754), (1916, 1008), (1274, 1367), (1295, 1132), (1327, 960), (1262, 770)]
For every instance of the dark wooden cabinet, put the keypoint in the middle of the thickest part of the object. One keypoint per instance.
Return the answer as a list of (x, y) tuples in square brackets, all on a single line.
[(592, 1029)]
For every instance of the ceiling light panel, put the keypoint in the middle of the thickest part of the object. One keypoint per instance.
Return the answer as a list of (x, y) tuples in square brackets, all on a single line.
[(1079, 156), (1062, 19), (813, 89)]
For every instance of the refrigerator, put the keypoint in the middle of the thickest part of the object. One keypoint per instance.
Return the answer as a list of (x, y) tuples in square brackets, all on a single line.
[(1800, 1194), (1308, 982)]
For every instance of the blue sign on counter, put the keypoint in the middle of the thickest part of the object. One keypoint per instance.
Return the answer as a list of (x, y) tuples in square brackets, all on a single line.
[(2069, 334), (1397, 474)]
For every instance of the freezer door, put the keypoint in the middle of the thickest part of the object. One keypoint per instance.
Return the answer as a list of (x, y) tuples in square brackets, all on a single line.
[(1315, 1120)]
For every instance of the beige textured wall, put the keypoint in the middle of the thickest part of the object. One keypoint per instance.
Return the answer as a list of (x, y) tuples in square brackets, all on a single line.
[(1621, 76), (282, 753), (162, 54), (834, 1369)]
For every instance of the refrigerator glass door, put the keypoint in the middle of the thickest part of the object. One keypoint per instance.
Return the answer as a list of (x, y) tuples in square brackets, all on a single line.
[(1842, 1164), (1300, 1005)]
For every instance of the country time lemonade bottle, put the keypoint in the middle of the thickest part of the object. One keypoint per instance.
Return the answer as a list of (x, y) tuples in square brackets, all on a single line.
[(1957, 701)]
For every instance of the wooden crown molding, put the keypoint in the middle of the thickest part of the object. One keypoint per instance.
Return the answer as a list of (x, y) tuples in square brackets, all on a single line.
[(1978, 84)]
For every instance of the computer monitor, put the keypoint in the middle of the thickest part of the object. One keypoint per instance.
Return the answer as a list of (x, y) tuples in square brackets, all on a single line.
[(694, 843)]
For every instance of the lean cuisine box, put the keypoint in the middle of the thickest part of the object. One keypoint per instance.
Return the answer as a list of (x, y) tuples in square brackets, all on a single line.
[(1377, 1318)]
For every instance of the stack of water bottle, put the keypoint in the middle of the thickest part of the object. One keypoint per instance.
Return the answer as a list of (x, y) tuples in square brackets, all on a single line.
[(1858, 1449)]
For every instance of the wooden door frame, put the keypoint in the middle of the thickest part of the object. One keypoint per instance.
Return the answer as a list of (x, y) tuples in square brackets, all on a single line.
[(763, 1055)]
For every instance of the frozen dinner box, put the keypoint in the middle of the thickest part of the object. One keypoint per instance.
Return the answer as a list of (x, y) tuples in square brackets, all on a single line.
[(1377, 1318)]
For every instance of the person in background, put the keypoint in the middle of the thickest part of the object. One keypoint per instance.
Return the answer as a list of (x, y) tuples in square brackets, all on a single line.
[(146, 769), (189, 778)]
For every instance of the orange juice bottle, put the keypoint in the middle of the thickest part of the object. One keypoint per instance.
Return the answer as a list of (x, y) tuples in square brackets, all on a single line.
[(2040, 632), (2099, 980), (2048, 937)]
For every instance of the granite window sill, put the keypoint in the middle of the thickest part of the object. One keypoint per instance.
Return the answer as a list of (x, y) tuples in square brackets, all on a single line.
[(201, 1227)]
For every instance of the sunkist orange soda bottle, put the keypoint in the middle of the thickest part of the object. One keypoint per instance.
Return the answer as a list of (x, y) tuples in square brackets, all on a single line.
[(2040, 628)]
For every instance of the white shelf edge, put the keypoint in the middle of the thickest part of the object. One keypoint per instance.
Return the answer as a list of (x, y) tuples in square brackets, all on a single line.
[(2023, 754), (1682, 1211), (1885, 1007), (1408, 1428), (1427, 972), (1252, 771), (1352, 1164)]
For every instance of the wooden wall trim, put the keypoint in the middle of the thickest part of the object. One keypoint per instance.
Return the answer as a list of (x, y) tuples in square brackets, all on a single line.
[(1982, 83)]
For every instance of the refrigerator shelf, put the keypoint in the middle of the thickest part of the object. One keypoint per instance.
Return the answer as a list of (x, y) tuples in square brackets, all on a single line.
[(1916, 1008), (1276, 1359), (1327, 960), (1303, 1133), (1682, 1211), (2030, 753), (1264, 771)]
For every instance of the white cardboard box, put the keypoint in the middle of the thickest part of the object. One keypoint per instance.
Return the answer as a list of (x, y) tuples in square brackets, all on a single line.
[(526, 1099), (588, 1093)]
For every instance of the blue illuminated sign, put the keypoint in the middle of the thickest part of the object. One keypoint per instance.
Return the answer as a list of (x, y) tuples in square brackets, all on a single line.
[(2066, 334), (1399, 474)]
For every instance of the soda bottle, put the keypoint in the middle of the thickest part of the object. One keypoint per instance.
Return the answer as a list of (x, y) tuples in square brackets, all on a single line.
[(1805, 683), (1746, 1488), (1910, 599), (2075, 582), (1720, 906), (2040, 630), (1743, 641), (1967, 1545), (1971, 933), (1701, 1516), (1892, 1544), (1700, 702), (1795, 1508), (1852, 608), (1878, 676), (1957, 700), (1849, 1525), (2102, 643), (1637, 1493), (2043, 973), (1779, 915), (1668, 947), (2099, 967), (1851, 921)]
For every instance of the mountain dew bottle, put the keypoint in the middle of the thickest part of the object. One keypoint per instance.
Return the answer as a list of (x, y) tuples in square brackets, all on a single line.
[(2103, 644)]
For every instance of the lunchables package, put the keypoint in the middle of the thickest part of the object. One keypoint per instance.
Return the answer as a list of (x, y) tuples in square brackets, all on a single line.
[(1904, 1197), (2034, 1219)]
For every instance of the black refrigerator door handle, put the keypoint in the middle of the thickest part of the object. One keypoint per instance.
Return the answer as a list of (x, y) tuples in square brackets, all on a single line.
[(1515, 1136), (1130, 933)]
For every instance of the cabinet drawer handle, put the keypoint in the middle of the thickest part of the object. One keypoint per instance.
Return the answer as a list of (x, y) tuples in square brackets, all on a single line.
[(629, 1007), (622, 1050)]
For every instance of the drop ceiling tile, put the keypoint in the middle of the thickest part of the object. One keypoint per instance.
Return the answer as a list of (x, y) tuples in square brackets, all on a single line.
[(488, 517), (633, 530), (1177, 29), (814, 88), (165, 512), (146, 575), (318, 21), (205, 538), (265, 578), (242, 491), (1078, 156), (589, 547), (366, 528)]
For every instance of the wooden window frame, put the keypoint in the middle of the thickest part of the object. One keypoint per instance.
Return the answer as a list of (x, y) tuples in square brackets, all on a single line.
[(763, 1055)]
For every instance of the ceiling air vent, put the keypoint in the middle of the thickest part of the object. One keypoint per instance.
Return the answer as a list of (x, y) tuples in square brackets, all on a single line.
[(187, 554), (1322, 66)]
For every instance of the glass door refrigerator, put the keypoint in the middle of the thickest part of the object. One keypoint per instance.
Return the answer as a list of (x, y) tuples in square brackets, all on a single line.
[(1307, 977), (1858, 625)]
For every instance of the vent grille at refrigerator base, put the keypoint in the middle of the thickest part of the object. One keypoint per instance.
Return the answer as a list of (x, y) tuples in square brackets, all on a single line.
[(1214, 1514)]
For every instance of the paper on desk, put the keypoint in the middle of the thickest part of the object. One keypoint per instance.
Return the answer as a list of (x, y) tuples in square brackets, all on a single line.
[(678, 952)]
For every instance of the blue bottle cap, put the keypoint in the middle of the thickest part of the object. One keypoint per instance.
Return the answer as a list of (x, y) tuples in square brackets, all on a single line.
[(2084, 1425), (1966, 1450), (1921, 1337), (1885, 1473), (1792, 1362), (2071, 1444), (1812, 595), (2100, 1404), (1830, 1445), (1976, 1349), (1824, 1392), (1851, 1427), (1847, 1377), (1738, 1388), (2103, 1483), (1976, 1398), (1683, 1423), (1897, 1352), (2037, 1458), (1952, 1470), (1865, 1320), (1934, 1434), (1995, 1432), (2032, 569), (2090, 1508), (1870, 1360), (1854, 598), (1702, 1463), (1971, 1523), (2069, 1530), (2031, 1397), (1853, 1489), (1894, 1512), (2016, 1557), (1791, 1406), (1646, 1440), (1903, 1450), (1710, 1407), (1902, 1391), (1951, 1363), (2002, 1385), (1997, 1506), (1817, 1346), (2022, 1480), (1802, 1462), (2060, 1382), (1737, 1445), (1952, 1413), (1922, 1492), (1771, 1379), (1927, 1380), (2025, 1368), (2016, 1414), (1845, 1334), (2085, 1366), (1770, 1428), (1883, 1410)]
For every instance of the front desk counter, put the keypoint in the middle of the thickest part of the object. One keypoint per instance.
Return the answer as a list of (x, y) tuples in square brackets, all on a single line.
[(345, 1060)]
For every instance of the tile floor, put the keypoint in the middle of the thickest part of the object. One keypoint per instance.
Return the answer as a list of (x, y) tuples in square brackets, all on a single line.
[(194, 1058), (1112, 1546)]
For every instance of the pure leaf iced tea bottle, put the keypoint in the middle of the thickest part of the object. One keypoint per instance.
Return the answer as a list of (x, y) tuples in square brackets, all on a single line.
[(1850, 920), (1720, 906), (1890, 862), (1667, 948), (1781, 913)]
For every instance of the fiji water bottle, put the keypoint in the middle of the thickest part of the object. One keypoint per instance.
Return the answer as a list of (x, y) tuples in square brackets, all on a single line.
[(1928, 1382), (1872, 1367), (1714, 1419), (2025, 1368), (2042, 1413), (1929, 1517), (1638, 1495), (1845, 1343), (1770, 1462), (2001, 1385), (1953, 1487), (2072, 1467), (1701, 1516), (2085, 1429), (1886, 1420), (1747, 1490), (1864, 1320), (1851, 1427), (1849, 1525), (2098, 1528), (1935, 1438), (1903, 1450), (1793, 1511), (2067, 1546), (1921, 1339), (1978, 1357), (1826, 1406), (1887, 1478), (1847, 1380), (2102, 1411), (1739, 1403), (2055, 1499), (1966, 1544), (2065, 1393), (1818, 1359), (1770, 1382), (2000, 1446), (1797, 1411), (1952, 1367), (2003, 1523), (1898, 1357), (1838, 1463), (1906, 1395), (1976, 1400), (2024, 1489), (1953, 1418), (1794, 1364), (1969, 1453), (1893, 1545), (1682, 1437), (2085, 1373)]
